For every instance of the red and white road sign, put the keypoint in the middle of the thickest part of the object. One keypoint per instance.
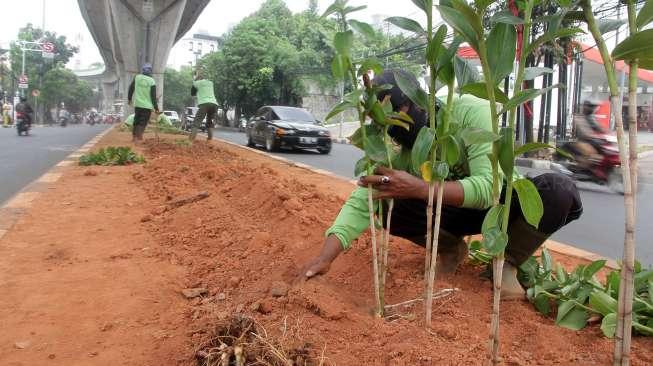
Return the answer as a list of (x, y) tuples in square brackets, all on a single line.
[(22, 79), (47, 50)]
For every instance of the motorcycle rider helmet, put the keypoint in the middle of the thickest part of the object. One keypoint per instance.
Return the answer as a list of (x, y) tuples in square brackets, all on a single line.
[(147, 69), (23, 99), (590, 105)]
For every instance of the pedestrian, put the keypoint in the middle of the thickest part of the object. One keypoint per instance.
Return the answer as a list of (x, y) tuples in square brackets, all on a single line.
[(142, 95), (207, 106), (467, 198), (6, 114)]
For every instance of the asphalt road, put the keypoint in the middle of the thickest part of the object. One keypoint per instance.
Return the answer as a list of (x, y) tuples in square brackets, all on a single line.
[(599, 230), (25, 158)]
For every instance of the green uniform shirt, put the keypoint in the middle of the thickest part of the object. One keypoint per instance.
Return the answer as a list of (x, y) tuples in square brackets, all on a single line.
[(204, 92), (474, 173), (142, 86)]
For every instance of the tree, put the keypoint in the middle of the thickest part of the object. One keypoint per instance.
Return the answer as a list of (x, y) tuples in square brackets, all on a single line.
[(61, 85), (176, 95)]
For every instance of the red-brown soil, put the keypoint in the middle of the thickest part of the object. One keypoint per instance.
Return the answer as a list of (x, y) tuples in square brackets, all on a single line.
[(123, 257)]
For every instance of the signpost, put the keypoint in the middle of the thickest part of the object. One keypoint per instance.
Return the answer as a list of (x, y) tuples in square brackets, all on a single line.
[(23, 82), (48, 50)]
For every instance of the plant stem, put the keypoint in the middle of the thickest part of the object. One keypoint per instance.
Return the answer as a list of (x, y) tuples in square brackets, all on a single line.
[(391, 203), (624, 313)]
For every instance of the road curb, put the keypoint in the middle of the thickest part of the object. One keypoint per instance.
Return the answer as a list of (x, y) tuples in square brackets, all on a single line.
[(15, 207), (552, 245)]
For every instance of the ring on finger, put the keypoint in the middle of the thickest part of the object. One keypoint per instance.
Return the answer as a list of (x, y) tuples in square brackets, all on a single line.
[(385, 179)]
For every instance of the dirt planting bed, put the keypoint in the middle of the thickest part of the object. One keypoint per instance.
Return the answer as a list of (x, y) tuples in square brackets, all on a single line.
[(263, 219)]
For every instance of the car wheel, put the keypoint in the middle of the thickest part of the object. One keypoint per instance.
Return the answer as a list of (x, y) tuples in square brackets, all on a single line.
[(324, 150), (270, 144)]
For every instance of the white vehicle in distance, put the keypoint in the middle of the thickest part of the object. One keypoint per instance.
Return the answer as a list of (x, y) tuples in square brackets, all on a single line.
[(173, 117)]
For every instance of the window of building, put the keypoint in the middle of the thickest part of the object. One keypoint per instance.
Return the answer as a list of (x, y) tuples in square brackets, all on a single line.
[(190, 45)]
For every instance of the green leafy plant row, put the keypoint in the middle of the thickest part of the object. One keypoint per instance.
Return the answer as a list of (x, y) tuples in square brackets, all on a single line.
[(112, 155), (576, 297)]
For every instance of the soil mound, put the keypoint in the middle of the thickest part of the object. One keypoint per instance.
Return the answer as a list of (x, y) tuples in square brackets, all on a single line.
[(259, 221)]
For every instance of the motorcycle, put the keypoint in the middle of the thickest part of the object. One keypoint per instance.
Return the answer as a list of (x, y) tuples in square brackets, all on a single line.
[(606, 171), (22, 124)]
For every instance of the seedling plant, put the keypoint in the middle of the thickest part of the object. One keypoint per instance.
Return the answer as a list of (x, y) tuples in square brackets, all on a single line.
[(111, 155)]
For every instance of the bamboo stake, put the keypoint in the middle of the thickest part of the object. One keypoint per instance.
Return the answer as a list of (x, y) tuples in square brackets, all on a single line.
[(375, 258), (624, 315), (434, 254)]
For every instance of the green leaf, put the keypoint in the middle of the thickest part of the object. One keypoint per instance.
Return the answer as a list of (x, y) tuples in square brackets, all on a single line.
[(479, 90), (343, 41), (458, 22), (531, 73), (570, 316), (492, 218), (332, 9), (638, 45), (370, 64), (470, 14), (593, 268), (645, 14), (406, 24), (352, 9), (542, 303), (495, 241), (453, 150), (610, 25), (435, 47), (473, 136), (440, 170), (339, 66), (529, 200), (338, 108), (552, 35), (413, 91), (524, 96), (505, 16), (363, 28), (465, 72), (423, 4), (422, 147), (531, 146), (602, 303), (561, 274), (609, 325), (353, 97), (375, 148), (547, 262), (501, 48), (361, 166), (506, 152)]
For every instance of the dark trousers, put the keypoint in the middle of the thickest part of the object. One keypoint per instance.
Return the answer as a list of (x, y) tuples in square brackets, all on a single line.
[(208, 110), (561, 201), (141, 118)]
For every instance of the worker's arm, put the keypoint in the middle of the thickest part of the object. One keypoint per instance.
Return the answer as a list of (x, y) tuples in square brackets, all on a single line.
[(153, 97), (130, 93), (193, 91)]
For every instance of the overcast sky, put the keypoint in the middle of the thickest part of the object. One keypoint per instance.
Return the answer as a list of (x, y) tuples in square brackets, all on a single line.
[(63, 17)]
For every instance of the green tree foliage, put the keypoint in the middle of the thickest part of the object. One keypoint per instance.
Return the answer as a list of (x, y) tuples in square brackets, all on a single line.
[(176, 94), (61, 85)]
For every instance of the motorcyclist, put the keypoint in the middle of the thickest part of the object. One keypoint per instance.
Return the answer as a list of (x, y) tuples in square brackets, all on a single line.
[(589, 136), (64, 115), (26, 109)]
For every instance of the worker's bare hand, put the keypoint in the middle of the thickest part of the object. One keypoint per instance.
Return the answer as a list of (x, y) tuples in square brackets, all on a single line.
[(390, 183), (315, 267)]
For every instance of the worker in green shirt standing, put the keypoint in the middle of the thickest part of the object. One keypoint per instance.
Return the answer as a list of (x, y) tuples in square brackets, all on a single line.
[(207, 106), (142, 95), (467, 197)]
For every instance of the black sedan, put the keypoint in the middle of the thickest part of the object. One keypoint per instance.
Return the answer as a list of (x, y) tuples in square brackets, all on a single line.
[(278, 127)]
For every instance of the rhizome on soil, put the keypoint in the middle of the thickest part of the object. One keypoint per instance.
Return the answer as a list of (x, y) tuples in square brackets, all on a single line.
[(258, 221)]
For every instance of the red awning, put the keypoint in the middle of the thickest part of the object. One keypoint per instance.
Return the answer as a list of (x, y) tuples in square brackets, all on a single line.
[(594, 55)]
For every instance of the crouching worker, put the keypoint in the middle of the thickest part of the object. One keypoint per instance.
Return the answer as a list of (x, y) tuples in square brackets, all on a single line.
[(467, 198), (142, 95)]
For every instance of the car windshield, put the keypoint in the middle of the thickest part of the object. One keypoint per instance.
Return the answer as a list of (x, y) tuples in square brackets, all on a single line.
[(294, 114), (168, 113)]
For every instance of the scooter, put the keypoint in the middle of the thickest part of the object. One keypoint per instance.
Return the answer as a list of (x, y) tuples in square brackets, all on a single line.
[(22, 124), (606, 171)]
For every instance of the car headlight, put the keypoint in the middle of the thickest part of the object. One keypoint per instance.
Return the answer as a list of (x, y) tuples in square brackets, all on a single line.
[(324, 133), (281, 131)]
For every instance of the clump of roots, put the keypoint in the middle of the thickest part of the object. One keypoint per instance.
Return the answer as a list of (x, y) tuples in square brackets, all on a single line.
[(240, 341)]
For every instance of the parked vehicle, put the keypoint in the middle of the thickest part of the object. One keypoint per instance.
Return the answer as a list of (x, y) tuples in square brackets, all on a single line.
[(190, 117), (173, 117), (278, 127), (606, 171)]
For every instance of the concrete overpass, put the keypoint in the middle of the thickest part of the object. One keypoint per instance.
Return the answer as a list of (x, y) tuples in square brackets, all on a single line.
[(129, 33)]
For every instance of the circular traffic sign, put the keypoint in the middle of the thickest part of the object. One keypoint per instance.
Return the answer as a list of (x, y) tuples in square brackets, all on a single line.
[(36, 93), (22, 79), (48, 47)]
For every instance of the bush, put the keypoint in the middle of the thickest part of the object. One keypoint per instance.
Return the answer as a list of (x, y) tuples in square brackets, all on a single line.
[(112, 156)]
